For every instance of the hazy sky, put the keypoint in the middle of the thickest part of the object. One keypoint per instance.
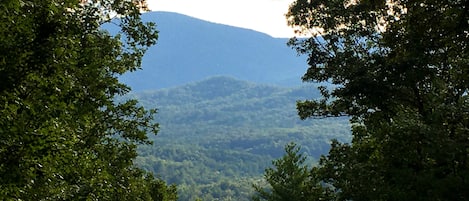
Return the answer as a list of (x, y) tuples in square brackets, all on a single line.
[(266, 16)]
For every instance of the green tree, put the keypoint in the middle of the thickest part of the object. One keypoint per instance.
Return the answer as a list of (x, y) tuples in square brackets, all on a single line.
[(290, 179), (62, 135), (401, 71)]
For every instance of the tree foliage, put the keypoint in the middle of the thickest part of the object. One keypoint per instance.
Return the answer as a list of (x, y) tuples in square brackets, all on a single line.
[(63, 137), (402, 73), (290, 179)]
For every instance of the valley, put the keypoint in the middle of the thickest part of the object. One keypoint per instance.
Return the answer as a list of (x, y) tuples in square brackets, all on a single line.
[(218, 135)]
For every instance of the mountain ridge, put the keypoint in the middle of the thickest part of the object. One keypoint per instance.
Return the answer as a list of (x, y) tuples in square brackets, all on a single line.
[(190, 49), (218, 100)]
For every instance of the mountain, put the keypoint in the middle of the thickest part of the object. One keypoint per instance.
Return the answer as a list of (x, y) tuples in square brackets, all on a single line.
[(226, 101), (190, 49), (218, 135)]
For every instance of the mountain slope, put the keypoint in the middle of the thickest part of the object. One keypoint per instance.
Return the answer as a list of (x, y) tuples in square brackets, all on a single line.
[(190, 49), (222, 132), (225, 101)]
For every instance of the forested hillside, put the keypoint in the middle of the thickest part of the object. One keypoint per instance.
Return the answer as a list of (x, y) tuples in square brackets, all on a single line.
[(218, 135), (398, 111)]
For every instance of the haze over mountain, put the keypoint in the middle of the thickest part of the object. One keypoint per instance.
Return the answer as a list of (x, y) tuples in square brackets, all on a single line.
[(190, 49)]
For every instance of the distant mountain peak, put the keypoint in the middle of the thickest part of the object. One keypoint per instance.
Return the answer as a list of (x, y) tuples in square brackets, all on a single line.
[(221, 80), (190, 49)]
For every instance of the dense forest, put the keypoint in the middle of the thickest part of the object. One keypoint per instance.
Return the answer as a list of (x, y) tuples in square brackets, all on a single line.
[(218, 135)]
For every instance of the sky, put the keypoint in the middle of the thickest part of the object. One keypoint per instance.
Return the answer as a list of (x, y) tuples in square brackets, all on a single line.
[(267, 16)]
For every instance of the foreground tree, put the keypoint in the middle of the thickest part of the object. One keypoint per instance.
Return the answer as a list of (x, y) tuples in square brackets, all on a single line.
[(62, 135), (401, 71), (290, 179)]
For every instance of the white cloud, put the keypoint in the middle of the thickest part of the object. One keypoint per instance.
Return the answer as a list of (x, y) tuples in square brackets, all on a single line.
[(266, 16)]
